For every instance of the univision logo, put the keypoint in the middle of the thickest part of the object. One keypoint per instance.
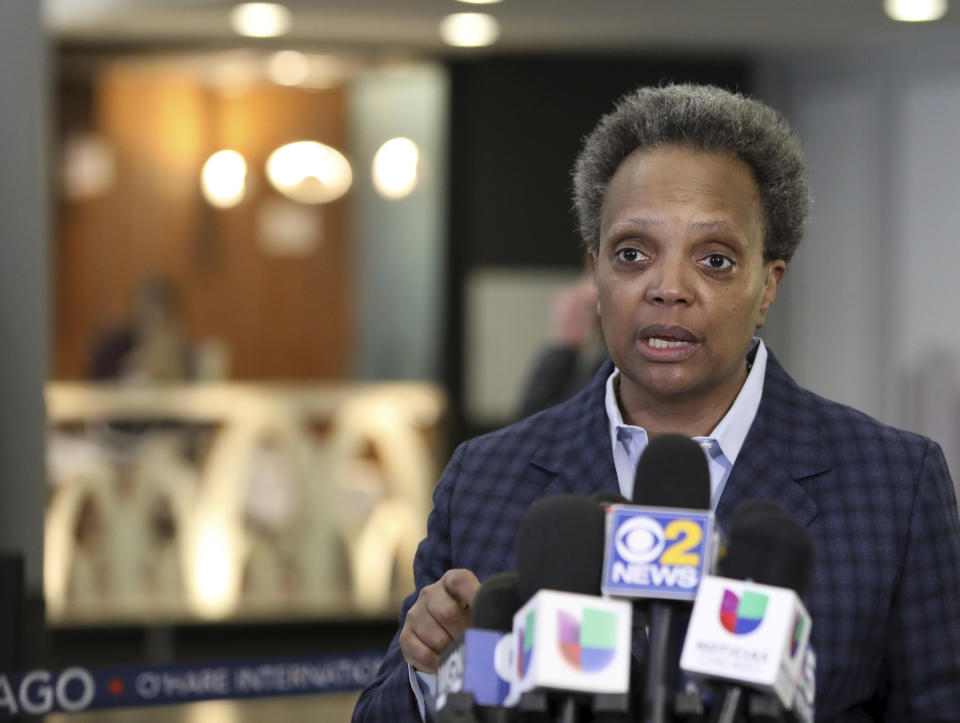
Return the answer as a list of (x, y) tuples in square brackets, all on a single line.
[(525, 644), (742, 615), (797, 634), (588, 644)]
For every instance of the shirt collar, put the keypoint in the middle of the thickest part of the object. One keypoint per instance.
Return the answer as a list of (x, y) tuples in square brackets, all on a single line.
[(731, 431)]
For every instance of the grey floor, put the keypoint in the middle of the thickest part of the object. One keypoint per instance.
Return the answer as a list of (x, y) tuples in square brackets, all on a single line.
[(330, 708)]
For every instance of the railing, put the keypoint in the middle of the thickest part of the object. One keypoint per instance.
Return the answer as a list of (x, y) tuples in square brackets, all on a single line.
[(236, 500)]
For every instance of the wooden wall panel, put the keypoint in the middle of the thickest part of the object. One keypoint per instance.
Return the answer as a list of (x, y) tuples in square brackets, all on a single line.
[(281, 317)]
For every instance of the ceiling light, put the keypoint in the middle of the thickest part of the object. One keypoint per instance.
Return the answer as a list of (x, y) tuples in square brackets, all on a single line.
[(480, 2), (469, 30), (233, 75), (89, 167), (260, 20), (223, 179), (288, 67), (326, 71), (395, 168), (915, 11), (309, 172)]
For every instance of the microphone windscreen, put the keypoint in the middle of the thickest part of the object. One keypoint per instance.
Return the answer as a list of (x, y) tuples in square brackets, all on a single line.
[(672, 472), (560, 546), (756, 507), (605, 499), (496, 602), (766, 545)]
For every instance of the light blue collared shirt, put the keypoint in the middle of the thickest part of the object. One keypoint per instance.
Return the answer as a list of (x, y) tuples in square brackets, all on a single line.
[(424, 687), (721, 447)]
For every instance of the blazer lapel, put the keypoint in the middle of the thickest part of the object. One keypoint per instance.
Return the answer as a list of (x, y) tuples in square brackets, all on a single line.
[(783, 447), (579, 456)]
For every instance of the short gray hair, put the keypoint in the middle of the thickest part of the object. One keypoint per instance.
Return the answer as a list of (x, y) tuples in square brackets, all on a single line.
[(707, 118)]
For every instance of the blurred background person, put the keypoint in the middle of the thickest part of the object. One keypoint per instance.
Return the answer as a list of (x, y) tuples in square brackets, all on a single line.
[(149, 346), (575, 350)]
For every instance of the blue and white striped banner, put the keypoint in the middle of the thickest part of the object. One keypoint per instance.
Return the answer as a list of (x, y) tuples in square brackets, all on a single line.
[(37, 692)]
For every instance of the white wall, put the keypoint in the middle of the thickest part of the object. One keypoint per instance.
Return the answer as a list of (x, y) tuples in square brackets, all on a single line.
[(868, 314)]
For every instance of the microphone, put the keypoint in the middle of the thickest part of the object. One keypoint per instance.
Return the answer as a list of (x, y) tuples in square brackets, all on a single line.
[(768, 546), (660, 546), (804, 702), (605, 499), (572, 647), (749, 628), (560, 546), (673, 473), (658, 549), (474, 673)]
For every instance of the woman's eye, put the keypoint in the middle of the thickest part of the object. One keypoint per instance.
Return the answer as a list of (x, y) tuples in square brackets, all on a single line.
[(718, 262), (628, 254)]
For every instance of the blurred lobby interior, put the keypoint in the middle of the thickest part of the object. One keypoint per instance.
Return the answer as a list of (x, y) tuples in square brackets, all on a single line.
[(260, 279)]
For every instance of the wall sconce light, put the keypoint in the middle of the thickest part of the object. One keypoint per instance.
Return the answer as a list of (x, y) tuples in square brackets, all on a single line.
[(395, 168), (223, 179), (309, 172)]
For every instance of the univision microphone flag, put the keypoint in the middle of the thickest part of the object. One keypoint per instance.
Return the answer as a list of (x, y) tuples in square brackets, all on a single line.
[(804, 705), (748, 634), (656, 552), (572, 642)]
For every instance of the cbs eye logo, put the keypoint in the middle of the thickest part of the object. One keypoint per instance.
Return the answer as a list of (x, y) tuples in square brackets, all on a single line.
[(642, 540)]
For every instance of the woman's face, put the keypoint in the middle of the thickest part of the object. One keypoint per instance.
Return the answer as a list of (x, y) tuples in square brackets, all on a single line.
[(679, 275)]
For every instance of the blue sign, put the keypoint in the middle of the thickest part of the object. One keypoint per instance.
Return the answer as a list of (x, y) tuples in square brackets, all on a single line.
[(38, 692), (656, 552)]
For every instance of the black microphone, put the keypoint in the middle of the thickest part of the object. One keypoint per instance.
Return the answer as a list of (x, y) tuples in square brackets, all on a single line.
[(572, 646), (605, 499), (474, 672), (767, 547), (560, 546), (496, 602), (671, 472)]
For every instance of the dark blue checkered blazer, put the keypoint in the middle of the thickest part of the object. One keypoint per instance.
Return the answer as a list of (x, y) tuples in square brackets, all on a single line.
[(878, 501)]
